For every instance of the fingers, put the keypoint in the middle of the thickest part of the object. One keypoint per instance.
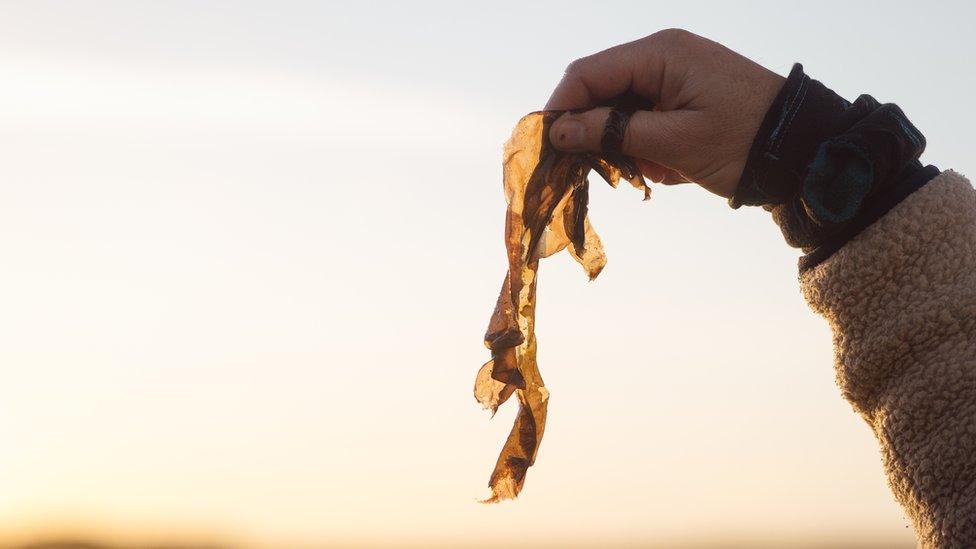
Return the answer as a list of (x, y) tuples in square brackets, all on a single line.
[(660, 174), (652, 170), (592, 79), (650, 135), (637, 66)]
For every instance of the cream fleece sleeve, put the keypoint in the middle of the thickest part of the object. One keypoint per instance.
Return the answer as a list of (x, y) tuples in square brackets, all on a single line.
[(901, 301)]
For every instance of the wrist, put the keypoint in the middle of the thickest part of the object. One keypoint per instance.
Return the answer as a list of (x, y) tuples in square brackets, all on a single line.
[(802, 115)]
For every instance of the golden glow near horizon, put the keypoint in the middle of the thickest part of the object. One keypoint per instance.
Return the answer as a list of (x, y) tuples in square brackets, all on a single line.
[(248, 254)]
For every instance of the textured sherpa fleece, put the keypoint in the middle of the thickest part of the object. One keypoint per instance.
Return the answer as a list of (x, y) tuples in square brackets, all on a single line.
[(901, 301)]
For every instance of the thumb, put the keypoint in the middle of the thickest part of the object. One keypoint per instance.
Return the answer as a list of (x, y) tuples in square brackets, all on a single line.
[(649, 135)]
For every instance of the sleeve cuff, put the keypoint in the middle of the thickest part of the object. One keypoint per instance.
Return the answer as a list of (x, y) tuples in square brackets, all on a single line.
[(823, 165)]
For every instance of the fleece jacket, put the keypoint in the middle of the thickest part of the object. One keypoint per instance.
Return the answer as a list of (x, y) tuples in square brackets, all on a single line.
[(900, 298)]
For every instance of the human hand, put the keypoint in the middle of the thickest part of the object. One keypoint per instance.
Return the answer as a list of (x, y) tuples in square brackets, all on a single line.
[(709, 102)]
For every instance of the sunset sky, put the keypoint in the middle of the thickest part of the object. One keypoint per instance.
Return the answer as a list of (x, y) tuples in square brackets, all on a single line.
[(248, 251)]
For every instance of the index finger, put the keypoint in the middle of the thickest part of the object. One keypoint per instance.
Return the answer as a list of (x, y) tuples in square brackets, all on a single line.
[(607, 74)]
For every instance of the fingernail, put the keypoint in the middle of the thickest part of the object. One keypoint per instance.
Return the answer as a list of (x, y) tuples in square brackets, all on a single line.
[(569, 134)]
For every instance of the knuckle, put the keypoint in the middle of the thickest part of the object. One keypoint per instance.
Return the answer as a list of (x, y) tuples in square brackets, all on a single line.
[(673, 36), (575, 67)]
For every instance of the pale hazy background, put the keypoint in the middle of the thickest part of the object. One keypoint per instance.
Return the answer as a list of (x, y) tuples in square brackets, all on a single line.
[(248, 251)]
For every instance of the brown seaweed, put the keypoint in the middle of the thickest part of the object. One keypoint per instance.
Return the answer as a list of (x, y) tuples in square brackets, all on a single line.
[(547, 192)]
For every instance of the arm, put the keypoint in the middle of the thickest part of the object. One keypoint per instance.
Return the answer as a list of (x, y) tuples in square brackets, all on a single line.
[(901, 301), (890, 244)]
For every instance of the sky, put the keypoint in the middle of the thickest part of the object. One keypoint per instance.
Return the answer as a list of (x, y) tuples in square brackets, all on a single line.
[(248, 251)]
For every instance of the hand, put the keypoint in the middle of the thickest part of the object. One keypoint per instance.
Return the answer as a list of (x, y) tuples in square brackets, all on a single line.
[(709, 102)]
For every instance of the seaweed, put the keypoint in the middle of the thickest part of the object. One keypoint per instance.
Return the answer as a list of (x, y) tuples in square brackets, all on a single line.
[(547, 192)]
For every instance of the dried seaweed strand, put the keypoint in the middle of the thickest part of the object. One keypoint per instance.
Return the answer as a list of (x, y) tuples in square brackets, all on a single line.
[(547, 192)]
